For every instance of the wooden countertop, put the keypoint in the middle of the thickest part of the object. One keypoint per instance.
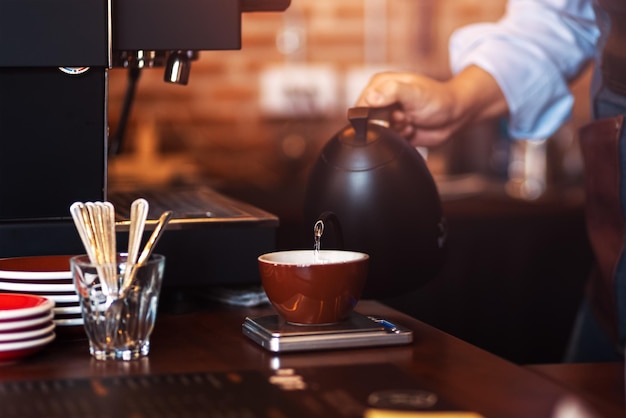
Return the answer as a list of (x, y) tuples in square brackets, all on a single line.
[(469, 378), (600, 384)]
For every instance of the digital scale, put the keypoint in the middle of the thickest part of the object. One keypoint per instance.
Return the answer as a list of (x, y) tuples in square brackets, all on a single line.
[(277, 335)]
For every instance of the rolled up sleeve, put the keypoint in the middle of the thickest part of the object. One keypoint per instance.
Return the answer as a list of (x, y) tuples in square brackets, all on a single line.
[(533, 52)]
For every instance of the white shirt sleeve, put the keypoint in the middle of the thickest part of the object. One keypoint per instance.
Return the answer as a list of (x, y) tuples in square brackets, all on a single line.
[(532, 52)]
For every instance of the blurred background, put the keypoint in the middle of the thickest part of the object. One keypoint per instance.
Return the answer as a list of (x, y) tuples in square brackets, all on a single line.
[(250, 123)]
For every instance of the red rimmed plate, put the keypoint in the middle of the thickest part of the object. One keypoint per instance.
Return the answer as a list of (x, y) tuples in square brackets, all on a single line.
[(58, 298), (42, 267), (27, 333), (27, 322), (13, 351), (16, 305)]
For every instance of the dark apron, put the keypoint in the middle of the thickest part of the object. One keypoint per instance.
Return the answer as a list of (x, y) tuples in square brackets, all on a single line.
[(613, 63), (603, 146)]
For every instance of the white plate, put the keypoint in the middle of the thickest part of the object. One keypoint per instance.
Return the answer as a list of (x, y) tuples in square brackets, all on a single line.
[(36, 275), (19, 345), (47, 280), (63, 317), (27, 322), (45, 306), (67, 310), (68, 322), (32, 267), (61, 298), (24, 335), (23, 276), (26, 287)]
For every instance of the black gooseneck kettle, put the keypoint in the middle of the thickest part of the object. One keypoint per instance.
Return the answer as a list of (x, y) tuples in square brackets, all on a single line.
[(378, 189)]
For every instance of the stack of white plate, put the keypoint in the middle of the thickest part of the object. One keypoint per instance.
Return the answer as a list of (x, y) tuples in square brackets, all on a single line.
[(26, 325), (48, 276)]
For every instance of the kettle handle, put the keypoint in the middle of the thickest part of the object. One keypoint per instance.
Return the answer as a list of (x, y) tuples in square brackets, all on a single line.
[(382, 115), (360, 117)]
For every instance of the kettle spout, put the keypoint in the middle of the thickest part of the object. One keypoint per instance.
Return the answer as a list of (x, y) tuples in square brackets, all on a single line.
[(329, 217)]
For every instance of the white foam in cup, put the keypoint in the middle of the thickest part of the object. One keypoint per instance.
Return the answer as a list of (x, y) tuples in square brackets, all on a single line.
[(309, 257)]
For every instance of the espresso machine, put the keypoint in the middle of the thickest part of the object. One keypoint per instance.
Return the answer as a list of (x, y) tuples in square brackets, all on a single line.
[(54, 133)]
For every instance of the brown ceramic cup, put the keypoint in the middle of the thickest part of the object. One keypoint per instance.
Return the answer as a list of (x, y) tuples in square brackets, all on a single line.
[(309, 288)]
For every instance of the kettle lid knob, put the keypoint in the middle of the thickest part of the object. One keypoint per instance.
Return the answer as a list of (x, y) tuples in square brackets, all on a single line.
[(359, 117)]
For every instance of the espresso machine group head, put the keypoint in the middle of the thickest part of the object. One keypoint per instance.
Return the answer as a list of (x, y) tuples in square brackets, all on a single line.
[(54, 129)]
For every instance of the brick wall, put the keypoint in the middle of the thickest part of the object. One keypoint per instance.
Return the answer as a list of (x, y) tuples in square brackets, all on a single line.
[(215, 129), (224, 85), (217, 120)]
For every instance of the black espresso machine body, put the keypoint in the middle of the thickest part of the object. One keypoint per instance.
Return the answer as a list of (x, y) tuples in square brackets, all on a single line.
[(54, 114)]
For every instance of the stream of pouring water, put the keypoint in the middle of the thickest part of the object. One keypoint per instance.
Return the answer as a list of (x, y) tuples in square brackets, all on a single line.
[(318, 230)]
